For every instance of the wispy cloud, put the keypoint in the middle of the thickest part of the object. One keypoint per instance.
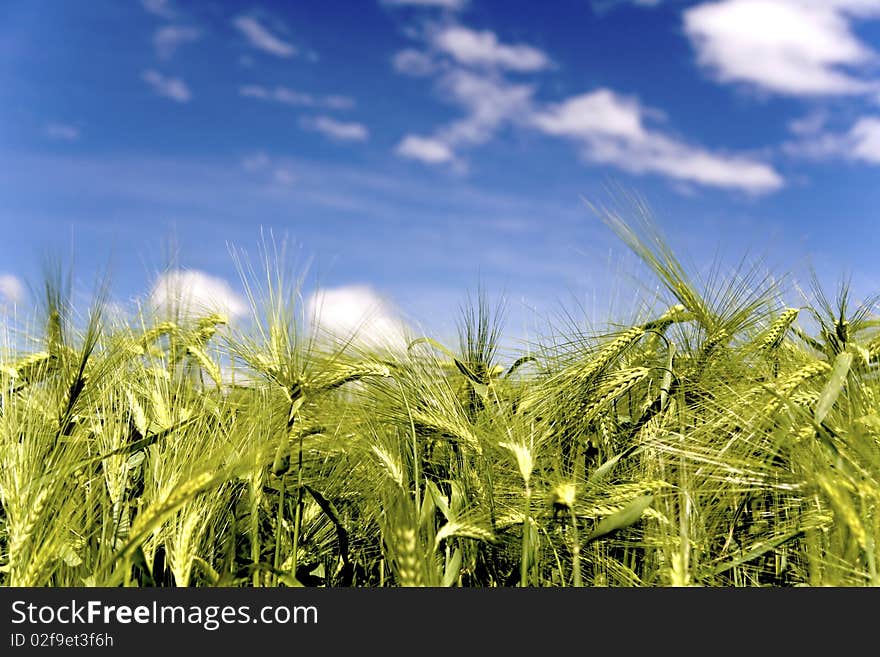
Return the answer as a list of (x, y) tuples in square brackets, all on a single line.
[(283, 176), (861, 143), (337, 130), (11, 290), (256, 161), (193, 293), (425, 149), (791, 47), (161, 8), (470, 69), (62, 131), (169, 38), (489, 103), (261, 38), (278, 172), (168, 87), (296, 98), (865, 137), (473, 48), (413, 62), (454, 5), (611, 129), (474, 73), (810, 124)]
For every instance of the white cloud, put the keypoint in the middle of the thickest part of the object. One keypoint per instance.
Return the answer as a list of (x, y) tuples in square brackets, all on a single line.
[(865, 136), (425, 149), (474, 48), (861, 143), (11, 290), (792, 47), (167, 39), (470, 66), (598, 112), (169, 87), (193, 294), (62, 131), (161, 8), (611, 130), (359, 314), (413, 62), (262, 39), (489, 102), (296, 98), (454, 5), (338, 130), (488, 99)]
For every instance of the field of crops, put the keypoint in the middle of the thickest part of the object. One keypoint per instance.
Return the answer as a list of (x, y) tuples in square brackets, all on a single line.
[(724, 440)]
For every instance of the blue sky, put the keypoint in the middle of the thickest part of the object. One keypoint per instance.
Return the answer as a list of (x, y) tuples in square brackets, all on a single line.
[(410, 149)]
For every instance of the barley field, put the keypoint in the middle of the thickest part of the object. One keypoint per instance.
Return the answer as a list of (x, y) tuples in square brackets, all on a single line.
[(729, 438)]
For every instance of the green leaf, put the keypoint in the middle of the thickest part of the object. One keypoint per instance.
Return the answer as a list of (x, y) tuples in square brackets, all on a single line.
[(481, 389), (426, 512), (438, 498), (137, 414), (135, 460), (69, 555), (755, 552), (463, 529), (519, 362), (332, 512), (605, 469), (469, 374), (139, 561), (281, 462), (834, 386), (453, 567), (457, 498), (666, 386), (623, 518), (295, 405)]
